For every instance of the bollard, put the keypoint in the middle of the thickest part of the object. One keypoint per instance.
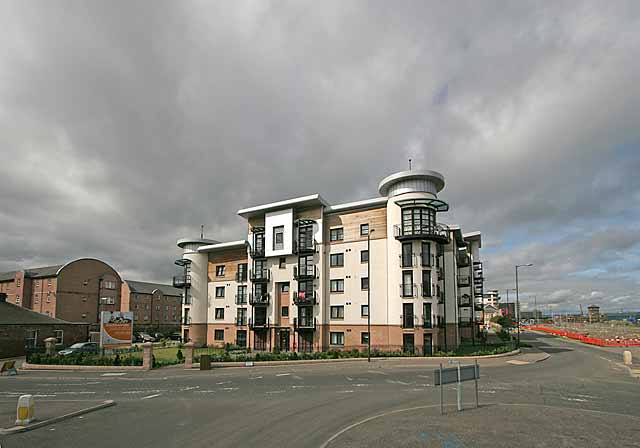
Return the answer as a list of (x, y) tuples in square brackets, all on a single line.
[(188, 355), (147, 356), (50, 346), (627, 358), (26, 408)]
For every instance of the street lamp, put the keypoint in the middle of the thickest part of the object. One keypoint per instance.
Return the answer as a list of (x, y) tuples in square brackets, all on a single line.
[(518, 297), (369, 294)]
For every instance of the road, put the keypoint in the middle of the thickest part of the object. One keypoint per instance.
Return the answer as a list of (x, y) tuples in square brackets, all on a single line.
[(580, 396)]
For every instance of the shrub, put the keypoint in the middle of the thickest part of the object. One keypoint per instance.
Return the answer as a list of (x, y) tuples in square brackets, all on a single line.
[(179, 355)]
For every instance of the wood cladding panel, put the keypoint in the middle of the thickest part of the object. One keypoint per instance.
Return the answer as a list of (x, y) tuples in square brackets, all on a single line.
[(230, 259), (350, 222)]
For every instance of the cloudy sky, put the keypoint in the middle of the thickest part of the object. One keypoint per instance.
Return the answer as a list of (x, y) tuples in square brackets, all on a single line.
[(125, 125)]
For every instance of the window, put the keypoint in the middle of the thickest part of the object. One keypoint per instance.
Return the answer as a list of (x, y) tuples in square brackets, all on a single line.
[(426, 283), (219, 291), (364, 256), (284, 287), (135, 317), (364, 229), (278, 238), (218, 335), (426, 315), (59, 335), (241, 338), (166, 307), (337, 338), (426, 254), (49, 282), (285, 311), (242, 272), (337, 312), (30, 338), (283, 263), (220, 269), (18, 283), (407, 283), (337, 285), (241, 316), (364, 338), (336, 234), (17, 299), (157, 307), (241, 296), (219, 313), (336, 260), (407, 258), (108, 284), (364, 283), (37, 282), (136, 306), (418, 221), (364, 310)]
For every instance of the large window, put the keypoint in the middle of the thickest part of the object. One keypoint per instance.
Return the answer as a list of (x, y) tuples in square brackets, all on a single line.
[(407, 255), (241, 316), (336, 234), (278, 238), (30, 338), (306, 287), (418, 220), (426, 315), (219, 291), (258, 242), (59, 335), (407, 283), (241, 296), (425, 254), (336, 260), (241, 338), (337, 312), (306, 265), (426, 283), (337, 338), (242, 272), (337, 285)]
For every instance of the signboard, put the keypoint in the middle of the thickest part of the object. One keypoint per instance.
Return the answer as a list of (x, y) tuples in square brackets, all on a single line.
[(450, 375), (116, 329)]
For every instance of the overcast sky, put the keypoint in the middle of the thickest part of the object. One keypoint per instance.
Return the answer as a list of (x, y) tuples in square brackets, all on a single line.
[(126, 125)]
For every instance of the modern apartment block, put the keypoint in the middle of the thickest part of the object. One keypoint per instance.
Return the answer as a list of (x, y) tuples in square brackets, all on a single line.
[(301, 279), (155, 307), (76, 291)]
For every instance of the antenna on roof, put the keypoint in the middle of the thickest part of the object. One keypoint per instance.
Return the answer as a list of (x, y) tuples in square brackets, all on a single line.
[(201, 231), (409, 163)]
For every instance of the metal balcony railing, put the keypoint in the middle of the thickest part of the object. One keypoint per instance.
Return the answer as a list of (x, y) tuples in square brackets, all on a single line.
[(305, 246), (304, 323), (436, 233), (306, 272), (259, 324), (302, 298), (408, 320), (257, 251), (260, 275), (408, 261), (408, 290), (259, 299), (181, 281)]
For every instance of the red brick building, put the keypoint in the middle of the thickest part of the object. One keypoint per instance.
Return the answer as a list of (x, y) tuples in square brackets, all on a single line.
[(155, 307), (75, 292)]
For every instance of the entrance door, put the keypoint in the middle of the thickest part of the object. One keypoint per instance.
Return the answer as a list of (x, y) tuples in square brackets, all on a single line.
[(283, 340), (428, 345), (408, 343)]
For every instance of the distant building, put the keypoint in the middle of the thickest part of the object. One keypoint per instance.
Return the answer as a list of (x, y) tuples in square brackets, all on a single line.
[(155, 306), (491, 297), (75, 292), (593, 311), (535, 314), (508, 309), (23, 330)]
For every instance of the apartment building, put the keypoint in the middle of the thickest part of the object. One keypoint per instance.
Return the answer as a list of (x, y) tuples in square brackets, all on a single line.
[(155, 307), (76, 291), (302, 278)]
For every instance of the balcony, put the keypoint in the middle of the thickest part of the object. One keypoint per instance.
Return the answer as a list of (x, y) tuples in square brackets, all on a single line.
[(408, 261), (305, 246), (464, 281), (436, 233), (259, 299), (241, 276), (305, 272), (260, 275), (257, 251), (464, 301), (478, 290), (463, 259), (241, 299), (241, 321), (302, 298), (408, 320), (304, 323), (181, 281), (259, 324), (408, 290)]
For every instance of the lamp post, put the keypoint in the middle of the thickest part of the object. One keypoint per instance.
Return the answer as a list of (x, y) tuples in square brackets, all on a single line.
[(518, 297), (369, 294)]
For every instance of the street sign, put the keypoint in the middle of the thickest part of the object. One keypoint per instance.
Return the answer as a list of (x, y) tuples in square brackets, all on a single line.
[(450, 375)]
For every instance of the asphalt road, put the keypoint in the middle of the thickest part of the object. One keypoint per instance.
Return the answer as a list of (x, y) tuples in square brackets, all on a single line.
[(580, 396)]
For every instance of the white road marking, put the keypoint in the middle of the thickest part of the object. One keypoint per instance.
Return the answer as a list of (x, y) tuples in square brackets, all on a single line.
[(184, 389), (377, 372), (150, 396), (205, 391), (296, 377), (255, 378), (398, 382), (114, 374), (223, 382), (487, 391), (275, 392), (230, 388), (302, 387), (425, 376), (518, 363), (582, 400), (349, 378), (283, 374), (346, 391), (361, 385)]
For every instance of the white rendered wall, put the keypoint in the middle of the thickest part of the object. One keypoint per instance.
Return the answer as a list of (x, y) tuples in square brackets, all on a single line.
[(198, 290), (275, 219)]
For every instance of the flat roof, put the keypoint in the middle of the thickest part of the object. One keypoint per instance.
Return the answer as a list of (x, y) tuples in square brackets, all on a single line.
[(302, 201), (184, 241), (473, 236), (357, 205), (220, 246)]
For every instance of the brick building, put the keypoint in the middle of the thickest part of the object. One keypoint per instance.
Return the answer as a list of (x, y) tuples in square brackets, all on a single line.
[(155, 307), (23, 330), (75, 292)]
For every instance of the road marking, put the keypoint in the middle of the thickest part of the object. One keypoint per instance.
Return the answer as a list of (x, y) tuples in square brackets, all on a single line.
[(150, 396), (346, 391), (518, 363), (184, 389), (349, 378), (296, 377), (230, 388), (275, 392), (283, 374), (361, 385), (114, 374), (223, 382), (398, 382), (377, 372), (302, 387), (255, 378)]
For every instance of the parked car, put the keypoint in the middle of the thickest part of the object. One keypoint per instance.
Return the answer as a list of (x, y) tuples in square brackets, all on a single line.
[(175, 336), (80, 347), (146, 337)]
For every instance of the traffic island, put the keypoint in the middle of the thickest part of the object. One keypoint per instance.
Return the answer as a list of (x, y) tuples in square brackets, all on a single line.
[(47, 412)]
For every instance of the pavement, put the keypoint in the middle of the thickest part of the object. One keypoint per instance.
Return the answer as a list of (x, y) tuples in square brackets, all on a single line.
[(580, 396)]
